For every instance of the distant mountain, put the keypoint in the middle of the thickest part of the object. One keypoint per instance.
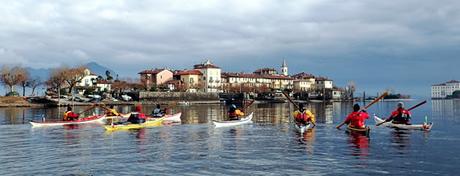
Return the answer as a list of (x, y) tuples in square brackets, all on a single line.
[(99, 69), (95, 68), (43, 73)]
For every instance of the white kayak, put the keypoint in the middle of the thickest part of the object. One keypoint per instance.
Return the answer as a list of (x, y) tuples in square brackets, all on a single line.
[(425, 127), (302, 128), (171, 118), (247, 119), (91, 119)]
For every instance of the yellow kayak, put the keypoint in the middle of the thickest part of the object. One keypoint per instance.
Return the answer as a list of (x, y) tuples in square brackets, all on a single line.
[(130, 126)]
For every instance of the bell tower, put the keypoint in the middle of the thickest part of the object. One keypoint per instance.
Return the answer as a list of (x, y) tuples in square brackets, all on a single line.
[(284, 68)]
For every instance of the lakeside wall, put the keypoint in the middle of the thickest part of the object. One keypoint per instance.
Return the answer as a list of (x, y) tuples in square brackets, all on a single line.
[(178, 96)]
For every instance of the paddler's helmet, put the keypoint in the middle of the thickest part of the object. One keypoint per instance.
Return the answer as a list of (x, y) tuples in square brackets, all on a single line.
[(356, 107), (233, 106), (400, 105)]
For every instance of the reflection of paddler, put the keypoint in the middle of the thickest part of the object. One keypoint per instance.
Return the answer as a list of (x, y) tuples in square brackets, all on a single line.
[(309, 137)]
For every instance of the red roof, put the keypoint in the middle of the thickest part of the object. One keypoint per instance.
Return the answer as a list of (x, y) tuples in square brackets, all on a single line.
[(251, 75), (153, 71), (322, 79), (448, 82), (303, 75), (103, 82), (188, 72)]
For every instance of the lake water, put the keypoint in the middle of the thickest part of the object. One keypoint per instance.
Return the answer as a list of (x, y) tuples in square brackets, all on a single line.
[(269, 146)]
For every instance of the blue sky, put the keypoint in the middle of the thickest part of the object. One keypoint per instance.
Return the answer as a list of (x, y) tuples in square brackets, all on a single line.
[(404, 45)]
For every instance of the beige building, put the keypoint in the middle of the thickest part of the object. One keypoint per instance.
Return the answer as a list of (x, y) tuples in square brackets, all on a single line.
[(155, 77), (191, 80), (211, 78), (303, 82), (277, 82)]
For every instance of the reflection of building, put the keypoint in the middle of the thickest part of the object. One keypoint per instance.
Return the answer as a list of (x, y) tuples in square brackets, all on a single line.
[(444, 90), (445, 109)]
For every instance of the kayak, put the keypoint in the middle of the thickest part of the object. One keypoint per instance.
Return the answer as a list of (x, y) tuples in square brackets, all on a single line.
[(121, 117), (425, 126), (247, 119), (364, 131), (302, 128), (170, 118), (90, 119), (130, 126)]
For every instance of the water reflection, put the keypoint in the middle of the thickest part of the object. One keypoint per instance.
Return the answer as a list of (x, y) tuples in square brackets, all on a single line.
[(401, 140), (308, 138), (446, 109), (359, 144)]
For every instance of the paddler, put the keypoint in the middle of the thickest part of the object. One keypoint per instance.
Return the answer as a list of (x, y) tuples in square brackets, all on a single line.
[(400, 115), (303, 117), (137, 116), (112, 111), (157, 112), (234, 113), (356, 119), (69, 115)]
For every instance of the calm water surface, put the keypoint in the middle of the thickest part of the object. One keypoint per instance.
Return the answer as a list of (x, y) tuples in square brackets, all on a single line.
[(269, 146)]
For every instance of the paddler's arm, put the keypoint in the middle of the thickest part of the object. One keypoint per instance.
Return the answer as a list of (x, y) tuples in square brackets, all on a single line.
[(312, 118)]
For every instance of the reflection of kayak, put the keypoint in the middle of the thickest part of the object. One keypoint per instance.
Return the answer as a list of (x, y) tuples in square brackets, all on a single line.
[(425, 127), (89, 119), (364, 131), (247, 119), (302, 128), (130, 126), (170, 118)]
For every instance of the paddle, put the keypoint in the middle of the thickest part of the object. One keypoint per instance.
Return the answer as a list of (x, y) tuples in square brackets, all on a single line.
[(295, 104), (413, 107), (369, 105)]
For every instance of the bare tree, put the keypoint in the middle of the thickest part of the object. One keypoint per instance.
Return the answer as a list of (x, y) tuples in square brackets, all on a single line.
[(74, 76), (12, 76), (33, 83), (57, 79), (24, 78)]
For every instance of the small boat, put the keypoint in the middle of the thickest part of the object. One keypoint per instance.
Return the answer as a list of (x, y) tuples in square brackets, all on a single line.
[(363, 131), (302, 128), (130, 126), (90, 119), (425, 126), (247, 119)]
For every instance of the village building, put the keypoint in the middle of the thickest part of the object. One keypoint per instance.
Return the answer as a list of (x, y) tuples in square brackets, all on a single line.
[(211, 78), (444, 90), (189, 80), (155, 77)]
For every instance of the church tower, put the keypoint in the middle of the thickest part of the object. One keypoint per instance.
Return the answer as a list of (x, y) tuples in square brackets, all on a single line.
[(284, 68)]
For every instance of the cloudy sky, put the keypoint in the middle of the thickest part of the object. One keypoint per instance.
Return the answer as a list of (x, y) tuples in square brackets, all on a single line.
[(404, 45)]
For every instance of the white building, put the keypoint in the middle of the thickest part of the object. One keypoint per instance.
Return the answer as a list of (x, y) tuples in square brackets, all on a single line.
[(303, 82), (284, 68), (323, 83), (211, 76), (278, 82), (88, 80), (444, 89)]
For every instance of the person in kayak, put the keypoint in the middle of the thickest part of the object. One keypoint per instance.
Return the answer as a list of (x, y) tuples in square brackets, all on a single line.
[(356, 119), (234, 113), (302, 117), (400, 115), (137, 117), (112, 111), (157, 112), (69, 115)]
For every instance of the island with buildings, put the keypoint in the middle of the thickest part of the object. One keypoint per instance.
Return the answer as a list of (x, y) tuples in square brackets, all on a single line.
[(204, 82)]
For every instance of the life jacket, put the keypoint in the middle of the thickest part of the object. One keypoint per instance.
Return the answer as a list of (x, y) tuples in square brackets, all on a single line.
[(402, 116), (66, 115), (302, 117), (357, 119), (136, 118)]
